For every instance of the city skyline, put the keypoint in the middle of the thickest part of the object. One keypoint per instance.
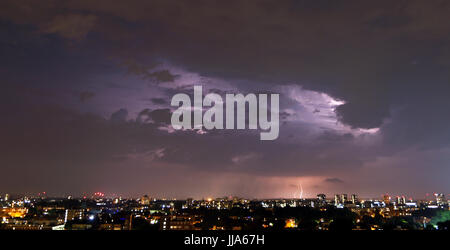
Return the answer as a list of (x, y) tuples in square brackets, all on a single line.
[(330, 196), (339, 213)]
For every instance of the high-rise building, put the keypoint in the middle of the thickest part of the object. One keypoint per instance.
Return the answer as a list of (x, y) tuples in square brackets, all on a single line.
[(337, 199), (401, 200), (6, 197), (354, 198), (344, 198), (387, 199), (440, 199)]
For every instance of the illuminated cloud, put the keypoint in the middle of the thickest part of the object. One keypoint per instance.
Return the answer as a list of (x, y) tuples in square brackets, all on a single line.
[(319, 110)]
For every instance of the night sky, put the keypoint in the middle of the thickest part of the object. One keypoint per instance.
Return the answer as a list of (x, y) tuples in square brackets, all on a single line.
[(86, 88)]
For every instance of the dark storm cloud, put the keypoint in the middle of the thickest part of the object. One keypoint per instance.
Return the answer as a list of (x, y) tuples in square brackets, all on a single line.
[(148, 72), (159, 100), (159, 116), (71, 26), (61, 142), (334, 180), (163, 76), (119, 116), (86, 95), (351, 49), (388, 61)]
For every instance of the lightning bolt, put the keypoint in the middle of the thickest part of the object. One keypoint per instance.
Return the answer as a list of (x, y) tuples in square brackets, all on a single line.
[(300, 189)]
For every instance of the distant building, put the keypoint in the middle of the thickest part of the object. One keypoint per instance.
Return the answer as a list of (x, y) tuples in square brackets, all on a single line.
[(440, 199), (344, 198), (401, 200), (80, 226), (178, 222), (189, 202), (321, 199), (367, 204), (354, 198), (337, 199), (145, 200), (73, 214), (387, 199), (110, 226)]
